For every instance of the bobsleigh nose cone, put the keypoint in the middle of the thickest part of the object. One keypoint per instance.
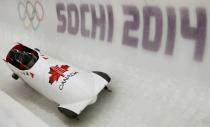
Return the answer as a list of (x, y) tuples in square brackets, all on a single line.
[(68, 113), (103, 75)]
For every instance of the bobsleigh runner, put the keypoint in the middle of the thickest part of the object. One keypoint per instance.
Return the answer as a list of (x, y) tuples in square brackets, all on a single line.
[(70, 87)]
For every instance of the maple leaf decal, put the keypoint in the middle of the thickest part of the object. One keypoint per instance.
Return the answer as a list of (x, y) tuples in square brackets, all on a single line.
[(56, 72)]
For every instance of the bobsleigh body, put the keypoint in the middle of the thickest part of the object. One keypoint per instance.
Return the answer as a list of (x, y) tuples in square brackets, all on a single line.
[(72, 88)]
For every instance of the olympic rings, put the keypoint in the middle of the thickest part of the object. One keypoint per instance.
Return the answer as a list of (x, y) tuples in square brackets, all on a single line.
[(31, 13)]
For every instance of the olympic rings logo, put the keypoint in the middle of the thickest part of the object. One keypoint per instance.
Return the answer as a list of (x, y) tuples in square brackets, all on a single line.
[(31, 13)]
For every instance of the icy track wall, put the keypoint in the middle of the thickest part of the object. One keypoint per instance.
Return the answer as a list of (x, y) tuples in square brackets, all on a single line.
[(128, 33), (156, 51)]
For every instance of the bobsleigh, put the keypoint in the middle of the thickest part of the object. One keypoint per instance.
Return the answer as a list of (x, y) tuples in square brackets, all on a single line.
[(71, 88)]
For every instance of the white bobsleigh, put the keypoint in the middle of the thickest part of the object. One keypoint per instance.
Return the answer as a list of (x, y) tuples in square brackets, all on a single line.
[(72, 88)]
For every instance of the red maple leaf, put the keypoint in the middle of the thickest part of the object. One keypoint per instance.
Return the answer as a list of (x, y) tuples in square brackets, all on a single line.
[(56, 72)]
